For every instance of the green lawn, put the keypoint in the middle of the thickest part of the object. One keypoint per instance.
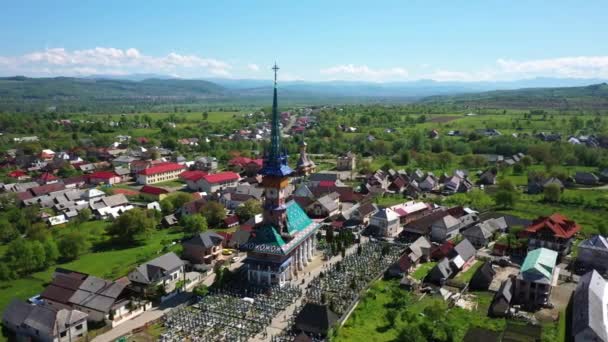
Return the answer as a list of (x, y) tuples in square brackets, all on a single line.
[(466, 276), (109, 262), (171, 184), (423, 270), (377, 318)]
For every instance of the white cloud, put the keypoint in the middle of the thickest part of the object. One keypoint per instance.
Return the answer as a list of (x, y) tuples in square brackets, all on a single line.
[(364, 72), (574, 67), (253, 67), (106, 60)]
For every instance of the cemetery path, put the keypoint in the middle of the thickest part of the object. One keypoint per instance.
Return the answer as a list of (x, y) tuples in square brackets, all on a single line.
[(281, 320)]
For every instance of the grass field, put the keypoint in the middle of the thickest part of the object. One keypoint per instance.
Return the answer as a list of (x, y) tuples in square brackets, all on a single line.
[(423, 270), (466, 276), (191, 117), (372, 321), (105, 261)]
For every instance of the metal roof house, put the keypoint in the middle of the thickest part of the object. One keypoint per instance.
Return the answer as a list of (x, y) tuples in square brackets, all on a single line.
[(589, 309), (537, 276), (593, 253)]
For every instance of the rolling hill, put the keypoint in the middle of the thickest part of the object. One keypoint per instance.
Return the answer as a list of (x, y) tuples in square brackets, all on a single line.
[(587, 97)]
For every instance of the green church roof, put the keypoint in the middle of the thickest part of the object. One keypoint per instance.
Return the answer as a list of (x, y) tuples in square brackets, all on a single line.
[(297, 219), (541, 262)]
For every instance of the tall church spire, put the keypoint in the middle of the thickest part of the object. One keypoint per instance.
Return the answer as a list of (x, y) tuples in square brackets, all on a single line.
[(275, 133), (275, 159)]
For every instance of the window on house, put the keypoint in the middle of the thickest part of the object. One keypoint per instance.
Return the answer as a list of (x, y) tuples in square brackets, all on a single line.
[(79, 326), (63, 334)]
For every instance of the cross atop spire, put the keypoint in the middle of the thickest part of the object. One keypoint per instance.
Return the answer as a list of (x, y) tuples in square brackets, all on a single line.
[(276, 70)]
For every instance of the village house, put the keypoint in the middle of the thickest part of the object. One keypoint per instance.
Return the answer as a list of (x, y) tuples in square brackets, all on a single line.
[(325, 206), (324, 179), (429, 183), (204, 248), (501, 303), (102, 300), (482, 278), (419, 250), (555, 232), (482, 233), (536, 278), (161, 172), (536, 186), (410, 211), (346, 162), (192, 178), (449, 226), (238, 164), (586, 178), (385, 222), (104, 177), (488, 177), (207, 164), (215, 182), (154, 193), (166, 270), (42, 323), (593, 254), (462, 255), (590, 309)]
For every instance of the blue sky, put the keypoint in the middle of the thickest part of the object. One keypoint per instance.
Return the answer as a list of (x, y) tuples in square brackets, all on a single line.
[(311, 40)]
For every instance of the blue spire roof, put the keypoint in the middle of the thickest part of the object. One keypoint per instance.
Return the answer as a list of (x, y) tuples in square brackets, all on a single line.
[(275, 159)]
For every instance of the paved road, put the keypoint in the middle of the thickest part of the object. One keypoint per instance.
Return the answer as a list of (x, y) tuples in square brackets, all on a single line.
[(155, 312), (143, 319)]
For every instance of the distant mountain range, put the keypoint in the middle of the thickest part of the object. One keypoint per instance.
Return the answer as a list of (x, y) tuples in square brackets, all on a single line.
[(587, 97), (141, 88)]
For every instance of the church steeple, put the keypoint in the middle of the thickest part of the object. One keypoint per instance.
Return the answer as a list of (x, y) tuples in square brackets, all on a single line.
[(275, 159)]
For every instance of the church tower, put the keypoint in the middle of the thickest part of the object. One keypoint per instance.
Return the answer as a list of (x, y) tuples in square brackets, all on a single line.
[(275, 171), (305, 165)]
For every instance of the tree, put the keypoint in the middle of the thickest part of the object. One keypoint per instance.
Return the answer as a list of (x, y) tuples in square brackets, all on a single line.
[(193, 224), (518, 169), (84, 215), (552, 193), (201, 290), (166, 206), (51, 251), (8, 232), (38, 231), (25, 257), (505, 199), (179, 199), (132, 226), (73, 245), (249, 209), (214, 212)]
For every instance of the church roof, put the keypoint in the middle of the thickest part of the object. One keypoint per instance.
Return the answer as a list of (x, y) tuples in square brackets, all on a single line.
[(267, 238)]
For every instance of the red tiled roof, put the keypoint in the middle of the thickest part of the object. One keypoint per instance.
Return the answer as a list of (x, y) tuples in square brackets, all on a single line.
[(152, 190), (192, 175), (229, 220), (47, 177), (239, 161), (17, 173), (161, 168), (559, 224), (257, 162), (103, 175), (221, 177), (45, 189), (327, 183)]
